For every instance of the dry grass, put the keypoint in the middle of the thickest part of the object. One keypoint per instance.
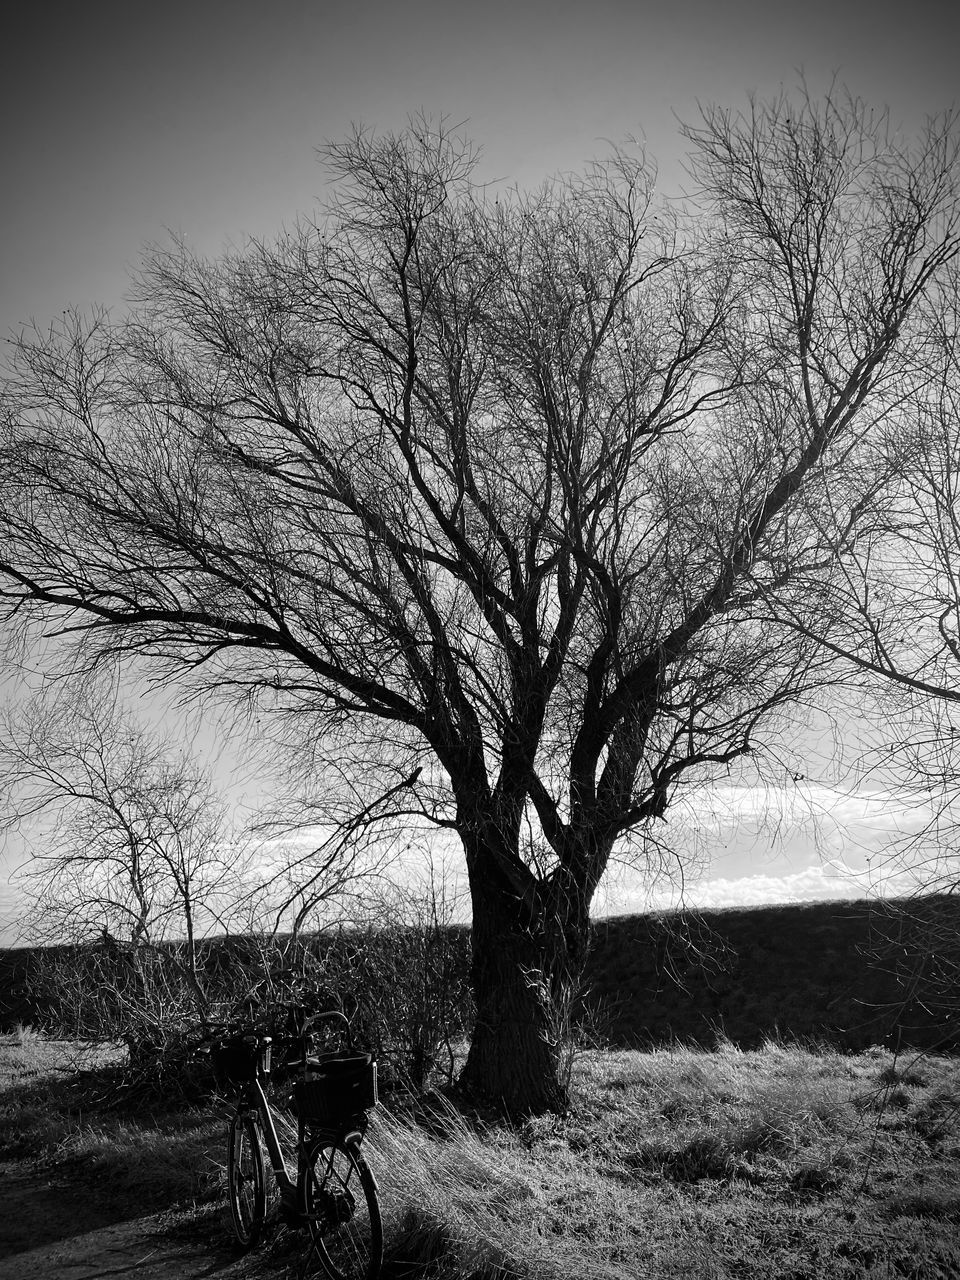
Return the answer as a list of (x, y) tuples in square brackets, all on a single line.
[(26, 1054), (52, 1115), (780, 1163), (776, 1163)]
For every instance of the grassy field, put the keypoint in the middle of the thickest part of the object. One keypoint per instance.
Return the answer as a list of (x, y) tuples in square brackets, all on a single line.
[(779, 1162), (776, 1163)]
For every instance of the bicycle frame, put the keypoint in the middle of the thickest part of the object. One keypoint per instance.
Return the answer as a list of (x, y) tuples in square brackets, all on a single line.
[(254, 1098)]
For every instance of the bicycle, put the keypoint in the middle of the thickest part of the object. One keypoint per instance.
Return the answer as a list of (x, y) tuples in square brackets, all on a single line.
[(332, 1193)]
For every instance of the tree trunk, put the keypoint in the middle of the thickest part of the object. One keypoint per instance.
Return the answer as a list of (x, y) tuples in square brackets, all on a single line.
[(526, 970)]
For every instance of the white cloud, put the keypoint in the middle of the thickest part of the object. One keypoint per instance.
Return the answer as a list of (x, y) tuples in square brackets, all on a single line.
[(10, 909), (831, 880), (801, 842), (801, 804)]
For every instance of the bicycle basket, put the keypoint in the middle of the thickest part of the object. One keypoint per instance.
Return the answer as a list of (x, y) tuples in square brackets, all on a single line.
[(235, 1060), (341, 1088)]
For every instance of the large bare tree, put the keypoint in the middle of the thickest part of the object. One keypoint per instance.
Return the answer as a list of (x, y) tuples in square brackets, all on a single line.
[(515, 501)]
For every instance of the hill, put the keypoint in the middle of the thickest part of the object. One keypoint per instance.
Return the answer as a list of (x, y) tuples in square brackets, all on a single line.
[(850, 974)]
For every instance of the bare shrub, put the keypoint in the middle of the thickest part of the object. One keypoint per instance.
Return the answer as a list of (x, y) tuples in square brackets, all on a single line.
[(402, 974)]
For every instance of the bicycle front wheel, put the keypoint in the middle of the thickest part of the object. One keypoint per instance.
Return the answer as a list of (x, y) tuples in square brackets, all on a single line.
[(339, 1196), (245, 1178)]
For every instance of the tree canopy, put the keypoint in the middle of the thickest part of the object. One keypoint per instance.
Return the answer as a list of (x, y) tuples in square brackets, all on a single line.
[(531, 506)]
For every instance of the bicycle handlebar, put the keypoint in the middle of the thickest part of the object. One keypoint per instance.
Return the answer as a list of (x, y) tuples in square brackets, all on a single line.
[(211, 1031)]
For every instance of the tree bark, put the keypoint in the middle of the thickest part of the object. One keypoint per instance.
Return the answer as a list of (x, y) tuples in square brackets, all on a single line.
[(528, 959)]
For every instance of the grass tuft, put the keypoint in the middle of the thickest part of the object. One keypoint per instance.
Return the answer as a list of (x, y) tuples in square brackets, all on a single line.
[(910, 1075), (936, 1202)]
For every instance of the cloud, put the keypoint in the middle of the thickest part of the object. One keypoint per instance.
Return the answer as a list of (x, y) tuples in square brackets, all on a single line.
[(815, 883), (10, 909), (799, 804), (831, 880)]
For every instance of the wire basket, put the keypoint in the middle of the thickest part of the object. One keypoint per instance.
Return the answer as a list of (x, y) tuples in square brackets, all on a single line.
[(342, 1088), (235, 1060)]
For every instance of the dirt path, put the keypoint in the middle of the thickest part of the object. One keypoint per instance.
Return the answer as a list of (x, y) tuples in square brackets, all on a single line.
[(55, 1228), (84, 1195)]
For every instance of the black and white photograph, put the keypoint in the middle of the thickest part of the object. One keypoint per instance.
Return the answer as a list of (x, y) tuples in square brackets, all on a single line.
[(480, 641)]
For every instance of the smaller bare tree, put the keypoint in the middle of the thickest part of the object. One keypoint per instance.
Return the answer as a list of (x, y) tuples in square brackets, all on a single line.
[(128, 856)]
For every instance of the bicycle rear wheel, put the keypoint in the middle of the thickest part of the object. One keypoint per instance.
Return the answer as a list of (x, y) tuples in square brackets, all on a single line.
[(245, 1178), (339, 1196)]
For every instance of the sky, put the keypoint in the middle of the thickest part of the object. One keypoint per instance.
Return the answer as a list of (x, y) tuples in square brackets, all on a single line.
[(124, 122)]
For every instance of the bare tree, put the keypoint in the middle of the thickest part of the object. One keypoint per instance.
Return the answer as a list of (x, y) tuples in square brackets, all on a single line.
[(894, 611), (514, 502), (893, 616), (127, 841)]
